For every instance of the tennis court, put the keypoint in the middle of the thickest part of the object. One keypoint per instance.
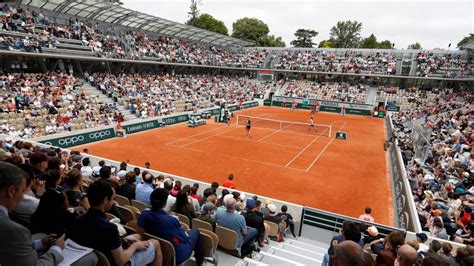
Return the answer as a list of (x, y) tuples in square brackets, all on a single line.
[(282, 160)]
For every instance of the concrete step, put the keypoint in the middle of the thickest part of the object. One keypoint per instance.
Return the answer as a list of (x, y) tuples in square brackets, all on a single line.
[(320, 248), (272, 259), (250, 262), (295, 256), (312, 253), (312, 242)]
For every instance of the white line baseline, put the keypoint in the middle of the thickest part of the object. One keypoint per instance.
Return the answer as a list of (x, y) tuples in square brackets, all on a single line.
[(307, 146), (324, 149)]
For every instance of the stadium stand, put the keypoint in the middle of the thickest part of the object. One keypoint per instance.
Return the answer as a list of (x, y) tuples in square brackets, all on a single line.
[(156, 95), (331, 91), (39, 104), (433, 131), (435, 142)]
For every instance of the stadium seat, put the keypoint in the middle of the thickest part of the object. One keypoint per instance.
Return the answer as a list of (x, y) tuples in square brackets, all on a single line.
[(185, 226), (273, 228), (127, 214), (110, 216), (199, 224), (169, 255), (103, 261), (136, 227), (184, 219), (136, 212), (121, 200), (227, 238), (139, 205), (209, 242)]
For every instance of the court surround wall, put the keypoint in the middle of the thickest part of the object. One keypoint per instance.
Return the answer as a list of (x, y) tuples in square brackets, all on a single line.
[(69, 139), (325, 106)]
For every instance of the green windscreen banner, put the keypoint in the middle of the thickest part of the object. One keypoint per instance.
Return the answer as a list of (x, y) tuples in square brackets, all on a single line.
[(175, 119), (80, 139), (138, 127)]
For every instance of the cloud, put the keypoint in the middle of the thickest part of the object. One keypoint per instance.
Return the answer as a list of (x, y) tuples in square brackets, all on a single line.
[(432, 23)]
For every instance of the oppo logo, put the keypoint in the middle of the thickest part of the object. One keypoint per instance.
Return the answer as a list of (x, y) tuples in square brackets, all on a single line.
[(71, 140), (99, 135)]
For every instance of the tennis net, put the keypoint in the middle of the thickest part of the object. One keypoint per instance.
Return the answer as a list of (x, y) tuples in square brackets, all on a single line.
[(287, 126)]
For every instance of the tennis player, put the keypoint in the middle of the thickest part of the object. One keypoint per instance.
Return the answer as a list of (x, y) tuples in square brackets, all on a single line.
[(228, 118), (247, 128), (311, 124)]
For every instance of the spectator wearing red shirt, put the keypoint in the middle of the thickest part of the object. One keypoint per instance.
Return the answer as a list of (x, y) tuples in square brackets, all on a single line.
[(230, 183), (467, 215)]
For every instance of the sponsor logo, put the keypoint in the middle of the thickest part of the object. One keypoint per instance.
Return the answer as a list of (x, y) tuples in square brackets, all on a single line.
[(99, 134), (71, 140)]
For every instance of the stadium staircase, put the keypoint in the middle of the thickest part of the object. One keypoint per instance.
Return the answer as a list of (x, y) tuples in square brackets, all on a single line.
[(104, 99), (300, 251), (371, 95)]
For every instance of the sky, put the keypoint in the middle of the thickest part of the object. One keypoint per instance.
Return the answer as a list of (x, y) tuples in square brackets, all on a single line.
[(434, 24)]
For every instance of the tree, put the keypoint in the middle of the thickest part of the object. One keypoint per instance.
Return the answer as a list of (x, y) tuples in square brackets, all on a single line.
[(369, 42), (117, 2), (326, 44), (249, 29), (270, 41), (208, 22), (466, 40), (304, 38), (346, 34), (193, 12), (415, 46), (386, 45)]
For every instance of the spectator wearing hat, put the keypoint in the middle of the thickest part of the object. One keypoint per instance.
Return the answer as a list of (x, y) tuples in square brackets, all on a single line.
[(371, 235), (122, 171), (157, 222), (272, 217), (208, 213), (231, 220), (366, 216), (421, 238), (144, 190), (252, 219)]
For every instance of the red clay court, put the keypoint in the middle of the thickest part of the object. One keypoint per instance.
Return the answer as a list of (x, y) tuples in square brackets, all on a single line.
[(288, 163)]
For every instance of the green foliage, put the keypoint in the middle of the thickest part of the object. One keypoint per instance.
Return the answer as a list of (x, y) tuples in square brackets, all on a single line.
[(415, 46), (193, 12), (369, 42), (255, 32), (386, 45), (466, 40), (372, 43), (326, 44), (304, 38), (117, 2), (249, 29), (271, 41), (346, 34), (208, 22)]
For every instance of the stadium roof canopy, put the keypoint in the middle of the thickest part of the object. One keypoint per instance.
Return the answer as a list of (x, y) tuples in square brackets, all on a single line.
[(104, 11)]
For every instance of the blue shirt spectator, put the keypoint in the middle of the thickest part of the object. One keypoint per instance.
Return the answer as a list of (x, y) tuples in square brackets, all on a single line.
[(143, 191), (158, 223)]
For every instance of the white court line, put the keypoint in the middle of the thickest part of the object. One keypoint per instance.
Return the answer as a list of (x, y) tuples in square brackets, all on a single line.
[(283, 145), (238, 158), (208, 137), (279, 130), (307, 146), (324, 149), (194, 135)]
